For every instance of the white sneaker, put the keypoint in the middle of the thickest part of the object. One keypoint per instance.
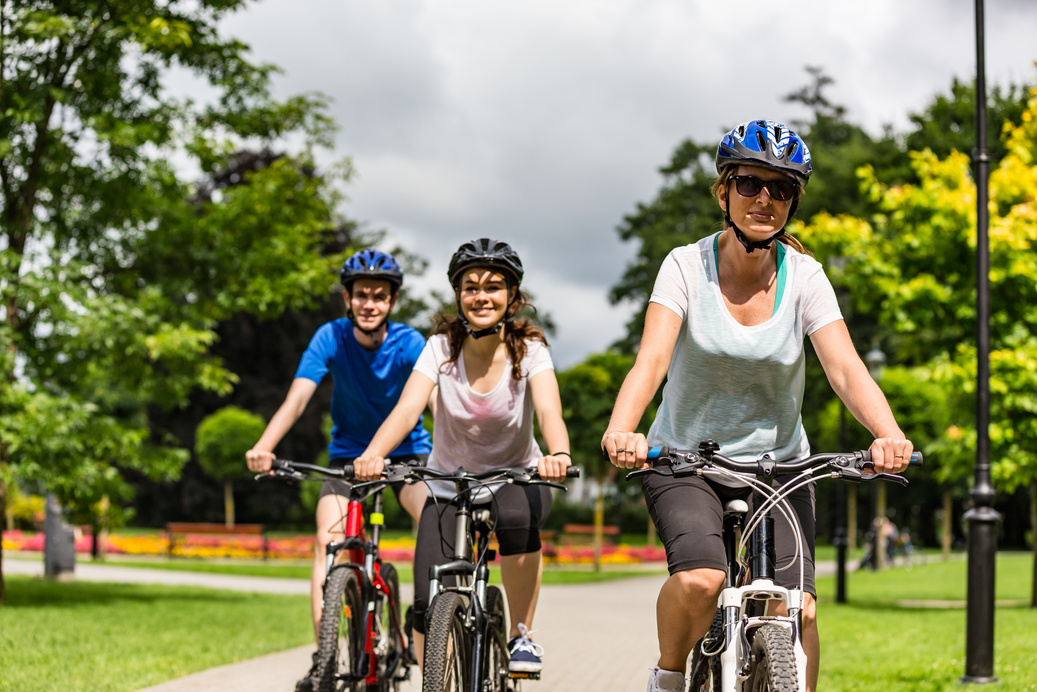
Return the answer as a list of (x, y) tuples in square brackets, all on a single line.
[(665, 680)]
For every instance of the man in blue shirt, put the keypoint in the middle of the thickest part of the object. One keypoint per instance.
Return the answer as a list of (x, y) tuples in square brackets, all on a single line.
[(369, 359)]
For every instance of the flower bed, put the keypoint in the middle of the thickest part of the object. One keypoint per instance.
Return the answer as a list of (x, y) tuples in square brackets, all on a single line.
[(301, 547)]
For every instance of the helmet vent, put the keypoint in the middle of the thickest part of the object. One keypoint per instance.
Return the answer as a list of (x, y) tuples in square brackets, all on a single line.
[(761, 140), (777, 133)]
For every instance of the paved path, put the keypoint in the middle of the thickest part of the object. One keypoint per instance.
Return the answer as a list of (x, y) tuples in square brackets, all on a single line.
[(596, 636)]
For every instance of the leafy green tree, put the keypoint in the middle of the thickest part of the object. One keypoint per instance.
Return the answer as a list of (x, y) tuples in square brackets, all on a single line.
[(913, 266), (113, 271), (220, 445), (588, 392)]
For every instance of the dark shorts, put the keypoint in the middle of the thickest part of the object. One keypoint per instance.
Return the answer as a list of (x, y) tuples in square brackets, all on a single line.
[(334, 486), (519, 512), (688, 515)]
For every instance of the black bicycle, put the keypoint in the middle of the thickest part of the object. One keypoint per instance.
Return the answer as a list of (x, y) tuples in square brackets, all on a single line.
[(746, 649), (466, 641), (362, 644)]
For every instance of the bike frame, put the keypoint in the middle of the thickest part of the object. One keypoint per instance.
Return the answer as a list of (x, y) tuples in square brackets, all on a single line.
[(740, 605), (464, 569), (361, 556)]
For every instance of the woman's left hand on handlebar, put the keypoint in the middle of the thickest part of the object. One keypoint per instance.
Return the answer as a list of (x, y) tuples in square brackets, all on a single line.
[(552, 467), (368, 468), (891, 454)]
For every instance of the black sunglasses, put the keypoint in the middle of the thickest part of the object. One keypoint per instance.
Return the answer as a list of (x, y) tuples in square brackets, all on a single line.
[(750, 186)]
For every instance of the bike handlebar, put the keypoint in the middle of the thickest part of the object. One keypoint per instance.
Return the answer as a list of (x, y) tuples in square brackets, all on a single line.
[(848, 465), (395, 472)]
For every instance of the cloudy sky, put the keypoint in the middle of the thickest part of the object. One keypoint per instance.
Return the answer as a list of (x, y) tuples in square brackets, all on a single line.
[(544, 122)]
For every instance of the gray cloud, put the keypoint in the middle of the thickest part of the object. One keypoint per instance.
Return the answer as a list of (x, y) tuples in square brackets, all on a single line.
[(543, 123)]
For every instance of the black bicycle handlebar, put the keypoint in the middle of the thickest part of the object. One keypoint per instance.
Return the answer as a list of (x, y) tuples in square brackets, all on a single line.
[(848, 465), (400, 472)]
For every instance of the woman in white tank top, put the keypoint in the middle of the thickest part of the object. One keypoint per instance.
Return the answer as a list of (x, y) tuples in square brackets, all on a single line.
[(725, 326)]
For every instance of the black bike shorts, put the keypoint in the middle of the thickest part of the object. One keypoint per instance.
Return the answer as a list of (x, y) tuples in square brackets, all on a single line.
[(519, 512), (335, 486), (689, 516)]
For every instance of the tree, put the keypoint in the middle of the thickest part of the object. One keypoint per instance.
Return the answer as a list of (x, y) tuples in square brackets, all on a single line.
[(913, 267), (221, 443), (588, 392), (113, 273)]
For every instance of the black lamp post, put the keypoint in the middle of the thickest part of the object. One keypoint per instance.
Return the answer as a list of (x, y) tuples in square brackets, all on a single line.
[(982, 518)]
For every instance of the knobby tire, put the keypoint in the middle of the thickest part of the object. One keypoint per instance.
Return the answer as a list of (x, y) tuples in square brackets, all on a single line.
[(774, 662), (446, 646), (341, 642)]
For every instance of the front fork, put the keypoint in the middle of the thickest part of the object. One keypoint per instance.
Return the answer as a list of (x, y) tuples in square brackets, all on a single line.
[(738, 624)]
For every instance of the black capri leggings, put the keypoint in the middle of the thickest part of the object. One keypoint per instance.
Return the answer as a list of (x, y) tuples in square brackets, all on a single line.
[(519, 512), (688, 514)]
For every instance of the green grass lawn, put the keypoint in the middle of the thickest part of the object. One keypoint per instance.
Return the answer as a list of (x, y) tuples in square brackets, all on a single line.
[(114, 637), (892, 634)]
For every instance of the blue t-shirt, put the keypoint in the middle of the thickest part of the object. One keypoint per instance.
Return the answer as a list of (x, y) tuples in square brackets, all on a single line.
[(367, 384)]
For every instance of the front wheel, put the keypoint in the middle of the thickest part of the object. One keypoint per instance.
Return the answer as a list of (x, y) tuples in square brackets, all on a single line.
[(340, 646), (446, 646), (773, 661)]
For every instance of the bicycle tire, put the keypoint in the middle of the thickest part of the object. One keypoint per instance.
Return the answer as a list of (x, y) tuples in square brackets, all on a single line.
[(773, 667), (388, 648), (495, 658), (340, 643), (447, 646), (704, 671)]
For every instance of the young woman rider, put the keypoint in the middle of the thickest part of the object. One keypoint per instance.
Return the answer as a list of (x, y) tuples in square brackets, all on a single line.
[(493, 373), (370, 359), (725, 326)]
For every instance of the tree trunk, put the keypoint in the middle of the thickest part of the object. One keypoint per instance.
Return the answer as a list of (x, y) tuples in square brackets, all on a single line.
[(228, 502), (947, 538), (851, 521), (880, 526), (599, 525)]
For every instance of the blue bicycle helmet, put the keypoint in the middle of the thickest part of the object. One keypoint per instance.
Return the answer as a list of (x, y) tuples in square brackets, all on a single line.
[(765, 143), (372, 264)]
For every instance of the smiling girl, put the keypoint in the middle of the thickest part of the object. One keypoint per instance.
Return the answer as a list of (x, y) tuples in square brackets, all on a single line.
[(493, 372)]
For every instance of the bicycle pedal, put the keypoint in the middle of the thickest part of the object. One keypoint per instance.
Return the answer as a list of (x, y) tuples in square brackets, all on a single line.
[(523, 675)]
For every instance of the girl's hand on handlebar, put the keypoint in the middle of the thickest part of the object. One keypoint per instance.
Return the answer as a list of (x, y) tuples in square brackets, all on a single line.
[(891, 454), (552, 467), (368, 468), (626, 450), (259, 460)]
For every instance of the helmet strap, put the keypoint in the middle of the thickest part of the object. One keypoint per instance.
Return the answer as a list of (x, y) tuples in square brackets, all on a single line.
[(751, 245)]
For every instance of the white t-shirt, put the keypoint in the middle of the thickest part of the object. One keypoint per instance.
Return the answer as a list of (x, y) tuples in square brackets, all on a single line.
[(480, 431), (741, 386)]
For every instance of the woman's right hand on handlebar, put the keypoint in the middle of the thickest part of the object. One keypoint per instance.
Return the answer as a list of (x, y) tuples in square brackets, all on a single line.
[(368, 468), (259, 460), (627, 450)]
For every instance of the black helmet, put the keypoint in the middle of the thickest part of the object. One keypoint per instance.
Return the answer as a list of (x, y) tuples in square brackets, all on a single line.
[(485, 252), (372, 264)]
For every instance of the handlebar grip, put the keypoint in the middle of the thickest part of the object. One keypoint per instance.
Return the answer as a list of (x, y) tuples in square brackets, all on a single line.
[(277, 464), (915, 460), (572, 472), (347, 470)]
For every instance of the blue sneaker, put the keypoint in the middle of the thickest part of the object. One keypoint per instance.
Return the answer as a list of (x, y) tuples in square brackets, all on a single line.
[(524, 655)]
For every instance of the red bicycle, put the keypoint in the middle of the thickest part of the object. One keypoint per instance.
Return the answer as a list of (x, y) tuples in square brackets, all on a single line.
[(362, 644)]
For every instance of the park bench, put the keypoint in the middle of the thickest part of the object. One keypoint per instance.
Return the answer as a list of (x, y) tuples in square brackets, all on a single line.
[(180, 530), (575, 534)]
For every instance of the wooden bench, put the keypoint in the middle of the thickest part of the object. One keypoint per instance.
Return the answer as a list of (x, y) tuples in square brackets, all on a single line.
[(573, 534), (176, 530)]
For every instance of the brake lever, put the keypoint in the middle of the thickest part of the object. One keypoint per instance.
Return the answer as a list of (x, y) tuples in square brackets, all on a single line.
[(892, 477), (661, 470)]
